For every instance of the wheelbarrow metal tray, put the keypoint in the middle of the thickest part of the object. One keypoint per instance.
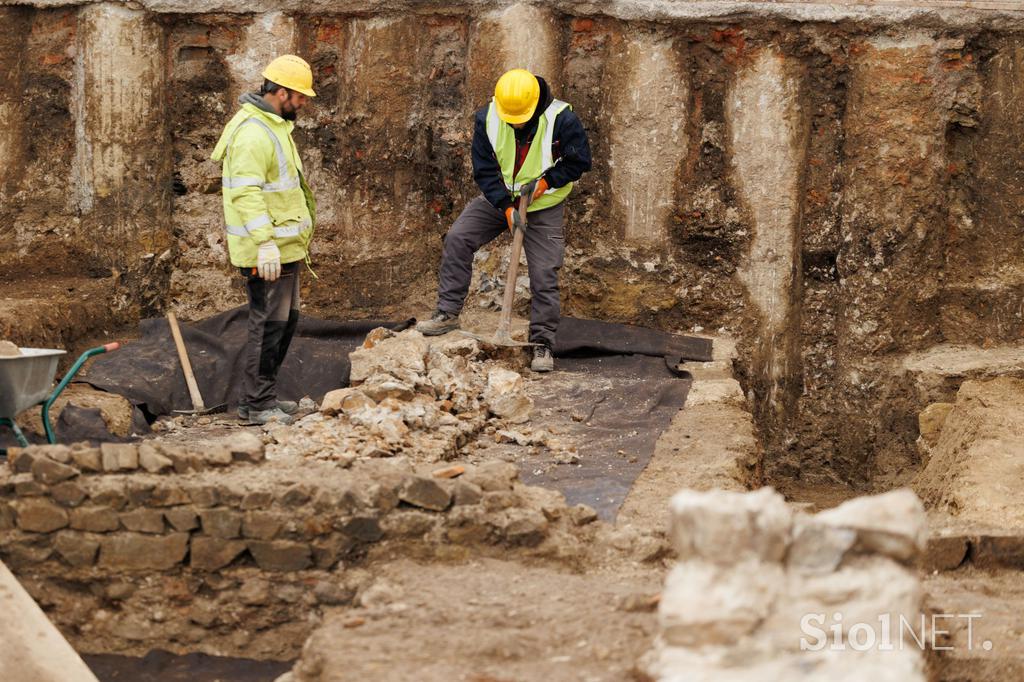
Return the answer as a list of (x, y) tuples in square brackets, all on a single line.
[(27, 379)]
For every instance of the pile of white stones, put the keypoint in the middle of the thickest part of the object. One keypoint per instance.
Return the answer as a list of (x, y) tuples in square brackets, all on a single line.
[(765, 593)]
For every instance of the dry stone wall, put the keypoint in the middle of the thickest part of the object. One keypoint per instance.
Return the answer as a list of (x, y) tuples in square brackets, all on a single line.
[(130, 547), (833, 183)]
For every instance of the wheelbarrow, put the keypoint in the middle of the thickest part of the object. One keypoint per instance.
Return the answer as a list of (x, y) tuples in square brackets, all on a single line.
[(27, 380)]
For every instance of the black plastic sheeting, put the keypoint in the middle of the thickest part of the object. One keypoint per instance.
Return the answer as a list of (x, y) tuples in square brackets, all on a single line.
[(148, 373), (161, 666), (626, 402)]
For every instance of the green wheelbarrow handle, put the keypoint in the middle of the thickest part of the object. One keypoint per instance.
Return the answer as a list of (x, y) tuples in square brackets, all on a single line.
[(82, 359)]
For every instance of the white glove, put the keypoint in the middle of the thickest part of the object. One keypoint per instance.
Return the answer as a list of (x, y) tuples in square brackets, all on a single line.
[(268, 261)]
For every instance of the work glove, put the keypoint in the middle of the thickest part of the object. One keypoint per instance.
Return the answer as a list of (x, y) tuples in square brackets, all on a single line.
[(510, 218), (538, 192), (268, 261)]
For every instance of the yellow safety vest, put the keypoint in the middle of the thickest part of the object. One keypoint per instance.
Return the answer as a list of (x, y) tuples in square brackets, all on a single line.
[(265, 194), (503, 141)]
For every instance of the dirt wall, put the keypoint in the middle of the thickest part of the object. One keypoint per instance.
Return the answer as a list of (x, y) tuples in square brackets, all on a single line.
[(833, 184)]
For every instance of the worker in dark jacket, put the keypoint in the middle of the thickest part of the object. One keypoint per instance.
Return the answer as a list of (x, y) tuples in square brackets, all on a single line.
[(524, 134)]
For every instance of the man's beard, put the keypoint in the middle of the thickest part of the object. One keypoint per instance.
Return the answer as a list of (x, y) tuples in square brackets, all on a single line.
[(289, 115)]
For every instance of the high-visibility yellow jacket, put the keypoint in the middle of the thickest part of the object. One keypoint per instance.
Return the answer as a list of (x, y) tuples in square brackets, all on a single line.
[(265, 194)]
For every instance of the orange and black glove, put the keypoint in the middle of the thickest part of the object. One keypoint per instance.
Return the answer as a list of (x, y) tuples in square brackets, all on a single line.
[(538, 192), (510, 218)]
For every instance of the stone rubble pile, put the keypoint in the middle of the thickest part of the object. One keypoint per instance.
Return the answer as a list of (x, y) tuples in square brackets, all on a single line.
[(761, 592), (411, 396)]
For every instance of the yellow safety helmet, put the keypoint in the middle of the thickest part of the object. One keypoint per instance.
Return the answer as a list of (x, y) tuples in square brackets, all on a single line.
[(516, 96), (291, 72)]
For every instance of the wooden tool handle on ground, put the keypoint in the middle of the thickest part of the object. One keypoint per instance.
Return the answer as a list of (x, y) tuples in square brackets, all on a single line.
[(186, 366)]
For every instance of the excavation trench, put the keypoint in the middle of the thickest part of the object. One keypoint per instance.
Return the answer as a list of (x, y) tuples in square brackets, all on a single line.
[(835, 188)]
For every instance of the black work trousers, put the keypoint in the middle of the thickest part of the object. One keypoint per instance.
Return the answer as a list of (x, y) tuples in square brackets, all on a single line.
[(273, 317)]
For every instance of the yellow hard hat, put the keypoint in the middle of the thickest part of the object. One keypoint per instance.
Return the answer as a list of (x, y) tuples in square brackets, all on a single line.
[(516, 96), (291, 72)]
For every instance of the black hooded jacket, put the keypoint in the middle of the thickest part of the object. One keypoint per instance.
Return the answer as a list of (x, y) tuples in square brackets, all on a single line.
[(569, 148)]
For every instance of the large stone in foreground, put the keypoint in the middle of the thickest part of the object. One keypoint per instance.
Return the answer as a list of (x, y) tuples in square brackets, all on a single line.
[(136, 552), (726, 527)]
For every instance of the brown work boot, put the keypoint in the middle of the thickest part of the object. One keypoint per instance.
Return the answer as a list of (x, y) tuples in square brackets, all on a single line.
[(440, 323)]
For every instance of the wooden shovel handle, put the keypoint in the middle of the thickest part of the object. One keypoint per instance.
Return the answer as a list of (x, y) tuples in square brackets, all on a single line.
[(186, 366)]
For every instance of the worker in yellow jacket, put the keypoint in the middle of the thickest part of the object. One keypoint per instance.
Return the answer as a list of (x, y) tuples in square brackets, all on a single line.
[(269, 213)]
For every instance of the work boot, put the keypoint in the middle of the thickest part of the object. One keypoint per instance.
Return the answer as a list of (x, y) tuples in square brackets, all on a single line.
[(543, 360), (286, 406), (440, 323), (274, 414)]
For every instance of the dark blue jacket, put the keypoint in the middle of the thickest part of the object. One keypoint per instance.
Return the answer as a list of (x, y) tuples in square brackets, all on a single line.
[(569, 148)]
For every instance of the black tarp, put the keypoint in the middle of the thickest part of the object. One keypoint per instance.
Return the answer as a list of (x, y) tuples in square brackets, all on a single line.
[(148, 373)]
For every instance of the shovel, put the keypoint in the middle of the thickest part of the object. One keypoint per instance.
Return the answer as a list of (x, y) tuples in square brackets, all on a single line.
[(503, 335), (198, 406)]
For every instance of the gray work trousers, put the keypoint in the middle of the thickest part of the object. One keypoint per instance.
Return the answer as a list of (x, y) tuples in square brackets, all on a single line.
[(544, 243), (273, 317)]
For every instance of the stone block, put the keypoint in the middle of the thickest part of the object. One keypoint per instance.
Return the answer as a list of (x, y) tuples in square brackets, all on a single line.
[(143, 520), (20, 460), (109, 494), (95, 519), (997, 551), (247, 447), (327, 551), (50, 472), (203, 495), (25, 485), (218, 455), (259, 499), (363, 528), (331, 593), (726, 527), (211, 554), (221, 523), (296, 495), (76, 549), (68, 494), (944, 552), (119, 456), (87, 459), (527, 527), (139, 492), (817, 546), (40, 516), (263, 525), (182, 519), (345, 400), (707, 604), (152, 460), (492, 476), (8, 519), (465, 492), (505, 397), (56, 452), (582, 514), (893, 523), (136, 552), (168, 495), (424, 492), (280, 555)]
